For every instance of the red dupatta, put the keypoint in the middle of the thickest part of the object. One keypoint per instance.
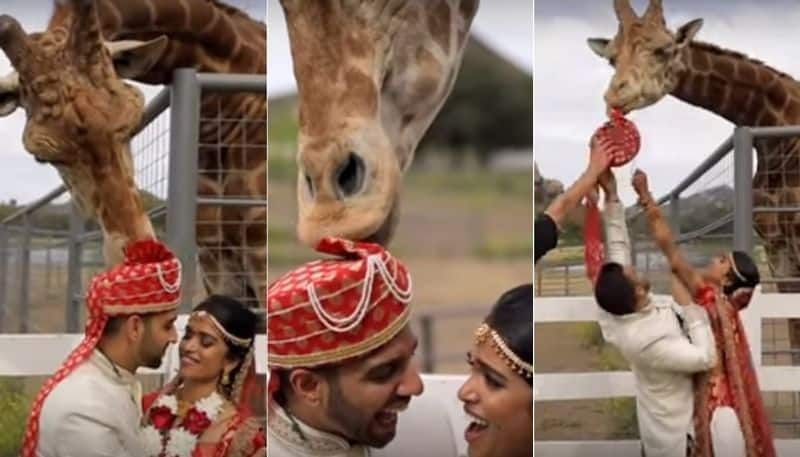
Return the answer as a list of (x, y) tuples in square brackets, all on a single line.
[(732, 382)]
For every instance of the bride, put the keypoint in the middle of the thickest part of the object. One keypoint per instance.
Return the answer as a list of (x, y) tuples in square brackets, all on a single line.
[(498, 394), (200, 413)]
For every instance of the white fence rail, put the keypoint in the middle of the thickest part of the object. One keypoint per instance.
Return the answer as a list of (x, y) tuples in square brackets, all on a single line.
[(583, 386), (437, 414), (42, 354)]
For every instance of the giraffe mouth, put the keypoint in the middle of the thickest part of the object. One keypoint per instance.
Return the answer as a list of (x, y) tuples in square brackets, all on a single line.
[(53, 162), (385, 232)]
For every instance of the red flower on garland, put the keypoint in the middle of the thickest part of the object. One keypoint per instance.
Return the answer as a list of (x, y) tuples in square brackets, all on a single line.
[(196, 422), (161, 418)]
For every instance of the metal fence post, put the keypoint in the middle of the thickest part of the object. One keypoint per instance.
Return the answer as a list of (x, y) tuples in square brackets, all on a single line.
[(25, 275), (3, 275), (743, 189), (74, 263), (182, 184), (426, 341)]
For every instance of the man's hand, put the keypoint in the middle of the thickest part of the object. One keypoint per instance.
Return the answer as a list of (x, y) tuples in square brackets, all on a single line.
[(593, 196), (599, 156), (640, 184), (609, 184)]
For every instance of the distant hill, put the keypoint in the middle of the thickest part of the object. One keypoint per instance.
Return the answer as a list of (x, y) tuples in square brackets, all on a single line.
[(697, 210)]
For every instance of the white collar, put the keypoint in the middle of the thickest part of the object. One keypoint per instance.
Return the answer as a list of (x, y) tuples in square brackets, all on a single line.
[(111, 370), (316, 443)]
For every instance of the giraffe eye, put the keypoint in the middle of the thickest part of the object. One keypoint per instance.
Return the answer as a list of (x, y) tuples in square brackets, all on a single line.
[(663, 52), (612, 61)]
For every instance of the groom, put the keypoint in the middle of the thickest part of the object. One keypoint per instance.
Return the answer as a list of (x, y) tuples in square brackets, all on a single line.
[(340, 353), (664, 344), (92, 405)]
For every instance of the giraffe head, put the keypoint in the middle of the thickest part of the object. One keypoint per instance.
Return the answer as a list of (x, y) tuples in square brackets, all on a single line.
[(647, 57), (80, 114), (371, 77)]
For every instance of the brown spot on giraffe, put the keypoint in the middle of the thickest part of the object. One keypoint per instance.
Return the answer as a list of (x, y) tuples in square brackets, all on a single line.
[(352, 151)]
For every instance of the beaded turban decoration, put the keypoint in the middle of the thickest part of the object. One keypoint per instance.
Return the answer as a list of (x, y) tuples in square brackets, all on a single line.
[(334, 309), (147, 281)]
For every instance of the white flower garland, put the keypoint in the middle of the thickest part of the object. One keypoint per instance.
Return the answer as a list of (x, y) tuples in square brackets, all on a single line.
[(180, 442)]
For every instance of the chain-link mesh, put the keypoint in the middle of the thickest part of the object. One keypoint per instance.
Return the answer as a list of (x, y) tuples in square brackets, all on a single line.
[(232, 165)]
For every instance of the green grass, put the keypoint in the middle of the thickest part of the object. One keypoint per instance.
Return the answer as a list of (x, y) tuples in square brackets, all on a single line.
[(14, 405), (562, 255), (623, 413), (475, 186), (503, 248), (621, 410), (282, 168)]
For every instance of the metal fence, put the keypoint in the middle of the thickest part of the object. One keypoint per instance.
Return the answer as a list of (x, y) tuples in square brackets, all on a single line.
[(202, 125)]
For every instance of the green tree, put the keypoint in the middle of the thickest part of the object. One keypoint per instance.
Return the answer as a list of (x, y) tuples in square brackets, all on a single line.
[(490, 108)]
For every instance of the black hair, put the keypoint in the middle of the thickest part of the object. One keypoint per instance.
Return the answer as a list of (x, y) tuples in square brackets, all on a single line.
[(613, 291), (747, 268), (512, 318), (329, 372), (236, 319)]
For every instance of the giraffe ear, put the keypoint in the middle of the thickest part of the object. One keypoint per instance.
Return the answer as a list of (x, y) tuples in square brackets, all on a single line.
[(599, 46), (9, 93), (134, 58), (687, 31)]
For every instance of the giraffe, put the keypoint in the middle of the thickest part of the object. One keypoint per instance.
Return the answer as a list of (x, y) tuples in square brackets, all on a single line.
[(212, 37), (371, 77), (651, 61), (81, 116)]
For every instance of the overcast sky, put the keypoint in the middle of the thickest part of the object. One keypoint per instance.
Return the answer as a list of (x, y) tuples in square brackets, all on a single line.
[(505, 25), (21, 178), (570, 81)]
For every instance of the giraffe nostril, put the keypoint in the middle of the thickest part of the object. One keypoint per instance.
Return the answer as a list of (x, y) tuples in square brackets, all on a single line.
[(309, 185), (350, 177)]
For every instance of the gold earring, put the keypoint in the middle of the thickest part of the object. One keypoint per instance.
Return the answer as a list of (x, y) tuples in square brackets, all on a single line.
[(226, 378)]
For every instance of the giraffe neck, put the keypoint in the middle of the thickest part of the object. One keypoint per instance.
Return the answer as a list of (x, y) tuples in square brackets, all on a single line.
[(742, 90), (118, 206), (203, 34)]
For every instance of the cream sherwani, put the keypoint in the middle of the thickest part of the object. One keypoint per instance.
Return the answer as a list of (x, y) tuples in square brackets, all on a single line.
[(94, 412), (283, 439), (662, 358)]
